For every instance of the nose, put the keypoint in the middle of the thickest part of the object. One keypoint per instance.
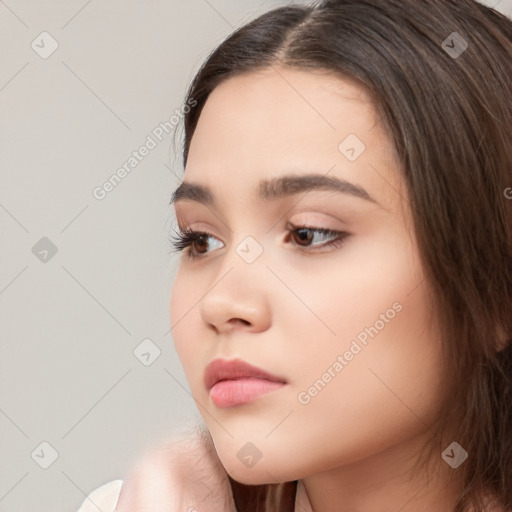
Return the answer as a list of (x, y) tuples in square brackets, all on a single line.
[(238, 299)]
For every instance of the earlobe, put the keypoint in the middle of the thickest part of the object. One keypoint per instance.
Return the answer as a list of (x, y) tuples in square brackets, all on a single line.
[(504, 341)]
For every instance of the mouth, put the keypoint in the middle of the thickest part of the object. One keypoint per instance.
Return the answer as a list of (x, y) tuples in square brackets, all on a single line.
[(237, 382)]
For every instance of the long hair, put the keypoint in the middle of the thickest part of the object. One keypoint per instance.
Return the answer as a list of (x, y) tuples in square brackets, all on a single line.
[(439, 73)]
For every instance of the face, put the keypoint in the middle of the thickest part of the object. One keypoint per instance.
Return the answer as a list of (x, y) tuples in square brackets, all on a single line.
[(339, 311)]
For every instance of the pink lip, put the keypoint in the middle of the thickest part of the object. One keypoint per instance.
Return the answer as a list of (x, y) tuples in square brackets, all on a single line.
[(236, 382)]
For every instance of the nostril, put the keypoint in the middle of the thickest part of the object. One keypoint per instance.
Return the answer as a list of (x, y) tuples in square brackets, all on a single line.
[(241, 320)]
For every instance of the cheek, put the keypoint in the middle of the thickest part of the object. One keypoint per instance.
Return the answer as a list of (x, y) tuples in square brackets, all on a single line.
[(390, 348), (377, 385), (182, 298), (386, 393)]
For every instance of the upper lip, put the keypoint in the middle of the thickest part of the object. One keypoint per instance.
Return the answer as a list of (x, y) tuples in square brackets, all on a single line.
[(221, 369)]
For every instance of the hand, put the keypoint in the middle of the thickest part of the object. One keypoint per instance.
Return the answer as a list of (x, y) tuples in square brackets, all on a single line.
[(183, 475)]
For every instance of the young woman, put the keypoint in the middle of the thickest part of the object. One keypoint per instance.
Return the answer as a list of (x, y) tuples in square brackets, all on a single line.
[(343, 303)]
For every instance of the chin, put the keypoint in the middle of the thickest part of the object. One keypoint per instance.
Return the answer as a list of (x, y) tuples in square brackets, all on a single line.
[(249, 478), (259, 474)]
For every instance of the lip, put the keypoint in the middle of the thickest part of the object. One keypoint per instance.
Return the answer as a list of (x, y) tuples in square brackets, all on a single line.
[(222, 369), (237, 382)]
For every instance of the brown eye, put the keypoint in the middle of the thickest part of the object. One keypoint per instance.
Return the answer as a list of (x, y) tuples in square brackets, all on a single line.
[(198, 245), (196, 242), (200, 241), (303, 236)]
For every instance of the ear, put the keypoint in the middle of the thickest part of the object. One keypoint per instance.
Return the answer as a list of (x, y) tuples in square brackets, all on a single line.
[(504, 340)]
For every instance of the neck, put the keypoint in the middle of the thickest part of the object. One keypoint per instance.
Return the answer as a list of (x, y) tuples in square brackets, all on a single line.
[(384, 482)]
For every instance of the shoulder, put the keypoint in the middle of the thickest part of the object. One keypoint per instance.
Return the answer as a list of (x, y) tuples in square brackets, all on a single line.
[(103, 498)]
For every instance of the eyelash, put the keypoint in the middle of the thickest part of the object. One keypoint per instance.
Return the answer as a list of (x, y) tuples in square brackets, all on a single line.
[(184, 238)]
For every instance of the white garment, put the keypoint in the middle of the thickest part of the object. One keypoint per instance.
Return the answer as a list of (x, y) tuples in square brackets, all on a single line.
[(106, 497)]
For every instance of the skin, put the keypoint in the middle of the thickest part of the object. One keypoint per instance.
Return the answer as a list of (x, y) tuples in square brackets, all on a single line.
[(296, 308), (359, 440)]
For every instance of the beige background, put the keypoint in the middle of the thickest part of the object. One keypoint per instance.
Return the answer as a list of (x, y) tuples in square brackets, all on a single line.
[(70, 324)]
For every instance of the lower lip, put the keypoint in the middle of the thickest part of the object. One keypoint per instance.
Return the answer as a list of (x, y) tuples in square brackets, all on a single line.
[(228, 393)]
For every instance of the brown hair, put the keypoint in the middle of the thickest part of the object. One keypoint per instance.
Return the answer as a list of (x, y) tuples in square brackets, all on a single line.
[(448, 109)]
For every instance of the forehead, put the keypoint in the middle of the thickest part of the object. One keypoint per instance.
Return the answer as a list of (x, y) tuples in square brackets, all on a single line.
[(280, 120), (281, 108)]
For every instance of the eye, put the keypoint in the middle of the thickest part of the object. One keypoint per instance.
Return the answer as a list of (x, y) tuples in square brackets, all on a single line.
[(184, 238), (302, 236), (306, 235)]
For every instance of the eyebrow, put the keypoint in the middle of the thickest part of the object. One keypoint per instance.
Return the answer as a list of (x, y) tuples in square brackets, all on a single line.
[(275, 188)]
